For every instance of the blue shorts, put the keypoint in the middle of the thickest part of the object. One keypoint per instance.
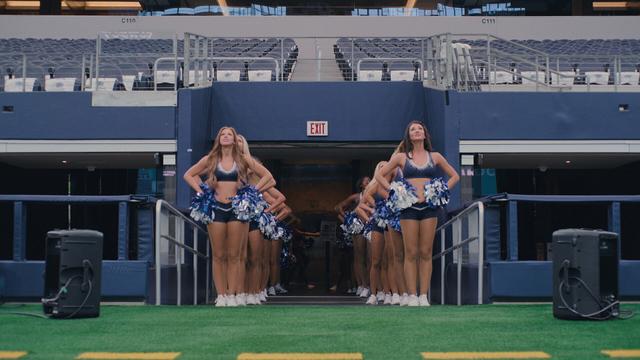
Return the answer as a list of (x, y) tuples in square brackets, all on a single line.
[(253, 225), (419, 211), (224, 213)]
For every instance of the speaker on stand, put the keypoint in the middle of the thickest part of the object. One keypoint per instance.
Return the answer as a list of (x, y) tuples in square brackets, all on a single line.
[(585, 274), (73, 263)]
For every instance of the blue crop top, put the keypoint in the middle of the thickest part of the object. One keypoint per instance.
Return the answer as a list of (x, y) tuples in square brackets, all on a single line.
[(412, 171), (224, 175)]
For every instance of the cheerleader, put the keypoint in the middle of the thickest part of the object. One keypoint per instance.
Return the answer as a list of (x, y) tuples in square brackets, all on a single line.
[(418, 221), (274, 264), (374, 210), (255, 259), (359, 242), (226, 169)]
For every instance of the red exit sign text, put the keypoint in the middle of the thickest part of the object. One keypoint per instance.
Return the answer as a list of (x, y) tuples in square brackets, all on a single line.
[(317, 128)]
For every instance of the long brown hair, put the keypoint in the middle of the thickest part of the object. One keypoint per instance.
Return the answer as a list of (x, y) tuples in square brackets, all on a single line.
[(406, 145), (215, 155)]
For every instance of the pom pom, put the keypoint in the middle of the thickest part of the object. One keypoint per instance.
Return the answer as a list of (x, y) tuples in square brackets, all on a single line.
[(202, 205), (382, 213), (394, 222), (282, 232), (436, 192), (352, 224), (267, 224), (368, 229), (401, 195), (248, 203), (284, 258)]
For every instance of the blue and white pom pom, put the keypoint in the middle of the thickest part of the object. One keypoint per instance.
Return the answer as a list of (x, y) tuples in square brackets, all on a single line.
[(282, 232), (436, 192), (394, 222), (401, 195), (352, 224), (202, 205), (267, 224), (382, 213), (248, 203), (368, 229), (285, 258)]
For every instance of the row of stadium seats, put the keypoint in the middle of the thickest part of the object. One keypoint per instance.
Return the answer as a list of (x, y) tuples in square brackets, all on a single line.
[(58, 65), (396, 56)]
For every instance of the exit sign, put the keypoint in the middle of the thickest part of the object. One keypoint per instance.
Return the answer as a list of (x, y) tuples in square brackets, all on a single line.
[(317, 128)]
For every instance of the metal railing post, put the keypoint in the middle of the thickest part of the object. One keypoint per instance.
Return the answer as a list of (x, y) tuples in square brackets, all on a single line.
[(157, 245), (186, 48), (195, 267), (24, 73), (179, 236), (457, 239), (442, 265), (480, 253)]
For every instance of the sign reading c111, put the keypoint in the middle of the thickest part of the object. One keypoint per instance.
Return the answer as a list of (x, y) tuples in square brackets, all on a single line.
[(317, 128)]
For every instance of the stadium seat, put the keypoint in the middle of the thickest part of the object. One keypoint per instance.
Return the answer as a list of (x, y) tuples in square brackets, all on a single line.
[(629, 78), (370, 71), (597, 77), (60, 84), (532, 77), (19, 84), (104, 84), (567, 78), (402, 71), (230, 70), (261, 70), (500, 77)]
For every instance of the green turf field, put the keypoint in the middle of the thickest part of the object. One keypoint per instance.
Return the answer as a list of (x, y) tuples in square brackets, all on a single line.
[(204, 332)]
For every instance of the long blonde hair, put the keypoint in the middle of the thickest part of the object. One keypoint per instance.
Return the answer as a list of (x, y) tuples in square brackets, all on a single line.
[(215, 155), (251, 176), (245, 146)]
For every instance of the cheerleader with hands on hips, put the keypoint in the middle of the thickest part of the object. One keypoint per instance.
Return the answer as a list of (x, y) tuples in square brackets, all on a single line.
[(418, 222), (226, 169)]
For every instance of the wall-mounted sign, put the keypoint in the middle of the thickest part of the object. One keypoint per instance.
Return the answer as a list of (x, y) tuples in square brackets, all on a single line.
[(317, 128)]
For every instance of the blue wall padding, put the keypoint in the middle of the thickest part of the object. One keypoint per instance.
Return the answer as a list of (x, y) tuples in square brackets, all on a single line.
[(356, 111), (492, 232), (534, 278), (629, 275), (194, 135), (25, 279), (545, 115), (520, 278), (145, 232), (70, 116), (444, 131)]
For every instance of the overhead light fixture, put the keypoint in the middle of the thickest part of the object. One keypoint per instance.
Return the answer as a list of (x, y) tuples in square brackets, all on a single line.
[(409, 6), (224, 7), (64, 161), (616, 5), (567, 162)]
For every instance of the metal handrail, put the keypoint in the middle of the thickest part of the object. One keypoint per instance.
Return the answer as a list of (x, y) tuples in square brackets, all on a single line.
[(457, 245), (179, 243), (490, 36)]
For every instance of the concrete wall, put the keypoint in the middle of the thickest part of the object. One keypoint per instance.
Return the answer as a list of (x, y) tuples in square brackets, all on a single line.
[(516, 27)]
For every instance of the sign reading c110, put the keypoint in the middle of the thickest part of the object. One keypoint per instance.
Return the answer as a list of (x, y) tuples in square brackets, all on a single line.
[(317, 128)]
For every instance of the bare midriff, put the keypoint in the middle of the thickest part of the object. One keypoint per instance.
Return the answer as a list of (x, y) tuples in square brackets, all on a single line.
[(225, 190), (418, 184)]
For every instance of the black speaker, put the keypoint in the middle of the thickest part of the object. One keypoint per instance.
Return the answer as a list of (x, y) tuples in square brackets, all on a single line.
[(585, 274), (73, 263)]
